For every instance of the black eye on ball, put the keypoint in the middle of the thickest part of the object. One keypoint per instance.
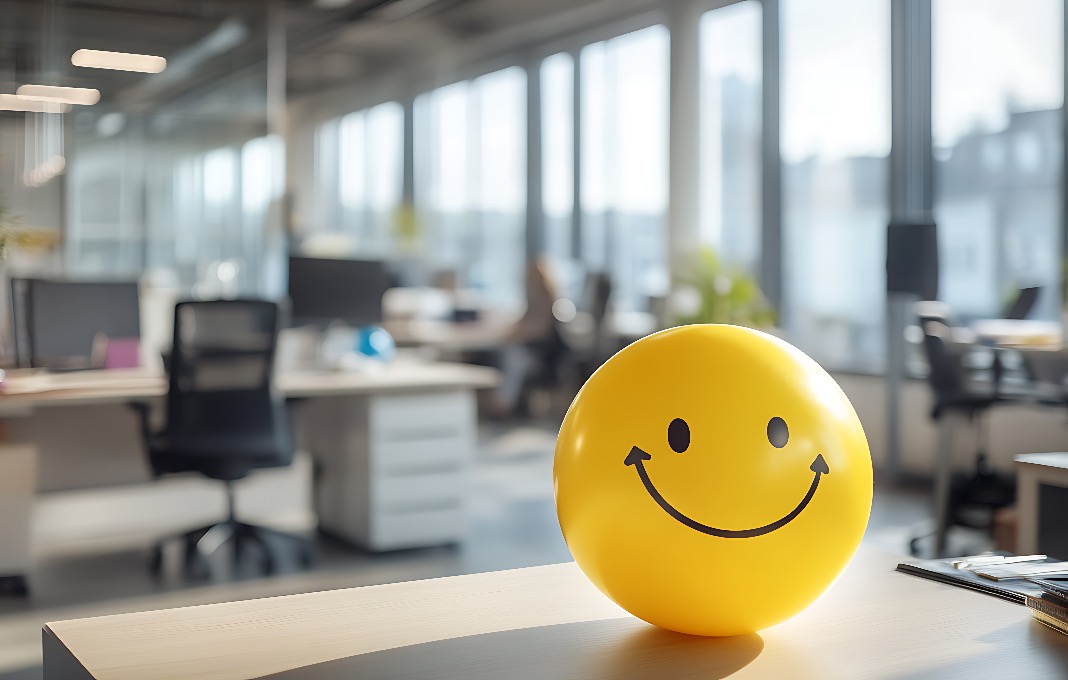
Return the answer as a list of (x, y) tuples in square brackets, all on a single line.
[(778, 433), (678, 435)]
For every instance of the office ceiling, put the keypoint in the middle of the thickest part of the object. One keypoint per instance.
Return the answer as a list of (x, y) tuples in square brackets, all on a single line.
[(329, 42)]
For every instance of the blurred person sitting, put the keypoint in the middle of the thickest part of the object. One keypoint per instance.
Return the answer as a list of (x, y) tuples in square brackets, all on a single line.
[(533, 345)]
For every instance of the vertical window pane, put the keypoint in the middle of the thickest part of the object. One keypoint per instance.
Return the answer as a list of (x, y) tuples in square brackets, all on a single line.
[(595, 123), (500, 113), (261, 180), (730, 132), (352, 159), (471, 189), (385, 131), (835, 142), (998, 90), (324, 212), (220, 237), (384, 175), (557, 138), (447, 183), (624, 133)]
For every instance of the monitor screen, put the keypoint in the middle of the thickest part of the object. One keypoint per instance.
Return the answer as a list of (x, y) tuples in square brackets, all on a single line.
[(64, 317), (323, 290)]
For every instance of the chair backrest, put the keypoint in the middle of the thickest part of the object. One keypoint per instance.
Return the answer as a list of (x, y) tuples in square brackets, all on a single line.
[(220, 373), (597, 293), (945, 373), (1024, 303)]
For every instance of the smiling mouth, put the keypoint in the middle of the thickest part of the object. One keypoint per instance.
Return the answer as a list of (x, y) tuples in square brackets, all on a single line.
[(637, 458)]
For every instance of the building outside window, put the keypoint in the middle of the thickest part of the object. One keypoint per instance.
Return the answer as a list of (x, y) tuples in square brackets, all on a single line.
[(835, 137), (998, 95), (731, 77)]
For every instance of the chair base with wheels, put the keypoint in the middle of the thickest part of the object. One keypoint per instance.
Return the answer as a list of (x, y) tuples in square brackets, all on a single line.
[(199, 546), (14, 585)]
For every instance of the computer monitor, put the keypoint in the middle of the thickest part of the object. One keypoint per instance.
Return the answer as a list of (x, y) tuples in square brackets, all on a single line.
[(323, 290), (63, 318)]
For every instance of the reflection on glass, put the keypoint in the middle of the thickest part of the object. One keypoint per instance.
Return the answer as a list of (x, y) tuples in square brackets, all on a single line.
[(624, 162), (730, 132), (835, 142), (998, 88)]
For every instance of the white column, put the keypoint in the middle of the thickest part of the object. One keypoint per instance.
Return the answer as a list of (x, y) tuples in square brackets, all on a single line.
[(684, 160)]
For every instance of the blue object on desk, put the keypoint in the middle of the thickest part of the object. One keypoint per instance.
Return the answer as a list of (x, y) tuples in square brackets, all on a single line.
[(375, 342)]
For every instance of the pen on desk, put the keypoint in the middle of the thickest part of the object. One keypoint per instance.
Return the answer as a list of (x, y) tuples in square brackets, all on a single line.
[(988, 561)]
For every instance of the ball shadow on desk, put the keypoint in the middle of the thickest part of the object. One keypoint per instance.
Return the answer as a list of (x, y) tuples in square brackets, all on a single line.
[(625, 648)]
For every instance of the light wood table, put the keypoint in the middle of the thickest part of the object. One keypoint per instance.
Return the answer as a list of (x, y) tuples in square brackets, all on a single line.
[(550, 622)]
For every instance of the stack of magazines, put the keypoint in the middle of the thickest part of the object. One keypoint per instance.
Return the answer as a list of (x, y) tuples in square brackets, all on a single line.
[(1051, 605)]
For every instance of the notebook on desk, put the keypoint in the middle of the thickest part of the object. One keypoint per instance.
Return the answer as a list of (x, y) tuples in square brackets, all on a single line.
[(943, 571)]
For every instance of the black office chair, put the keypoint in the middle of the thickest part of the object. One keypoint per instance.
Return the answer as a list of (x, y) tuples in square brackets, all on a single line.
[(973, 499), (1024, 302), (554, 361), (597, 343), (223, 418)]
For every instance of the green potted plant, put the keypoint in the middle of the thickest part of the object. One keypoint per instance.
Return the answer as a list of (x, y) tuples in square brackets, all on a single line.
[(14, 236), (714, 292)]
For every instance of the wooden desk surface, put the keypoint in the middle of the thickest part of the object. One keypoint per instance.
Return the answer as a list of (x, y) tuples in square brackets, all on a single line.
[(117, 386), (551, 622)]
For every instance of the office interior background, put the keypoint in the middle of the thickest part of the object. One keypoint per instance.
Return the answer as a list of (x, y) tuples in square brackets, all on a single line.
[(663, 161)]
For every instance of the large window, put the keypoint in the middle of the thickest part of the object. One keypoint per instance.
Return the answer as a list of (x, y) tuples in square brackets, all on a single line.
[(472, 194), (358, 177), (370, 175), (624, 162), (835, 141), (731, 79), (262, 180), (998, 91)]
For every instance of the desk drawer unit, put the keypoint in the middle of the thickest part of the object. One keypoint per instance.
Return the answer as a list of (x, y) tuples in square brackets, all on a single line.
[(421, 449), (18, 489), (394, 467)]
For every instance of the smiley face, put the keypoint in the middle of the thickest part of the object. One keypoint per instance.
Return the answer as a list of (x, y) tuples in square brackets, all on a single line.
[(712, 480), (679, 440)]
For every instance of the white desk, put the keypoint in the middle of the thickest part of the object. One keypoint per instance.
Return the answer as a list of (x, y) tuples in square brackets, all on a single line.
[(393, 445), (550, 622)]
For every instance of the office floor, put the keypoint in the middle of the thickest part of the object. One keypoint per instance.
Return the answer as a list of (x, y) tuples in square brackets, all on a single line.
[(513, 525)]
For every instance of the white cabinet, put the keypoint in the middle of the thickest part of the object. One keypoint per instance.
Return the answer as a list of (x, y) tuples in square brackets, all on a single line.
[(18, 489), (393, 469)]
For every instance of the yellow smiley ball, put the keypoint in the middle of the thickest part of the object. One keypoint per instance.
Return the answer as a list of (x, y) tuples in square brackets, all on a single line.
[(712, 480)]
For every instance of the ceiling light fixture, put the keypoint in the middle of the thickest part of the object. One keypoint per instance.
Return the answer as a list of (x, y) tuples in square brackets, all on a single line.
[(118, 61), (65, 95), (9, 102)]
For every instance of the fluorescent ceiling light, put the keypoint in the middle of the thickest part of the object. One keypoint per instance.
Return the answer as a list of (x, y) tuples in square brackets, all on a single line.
[(9, 102), (118, 61), (64, 95)]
